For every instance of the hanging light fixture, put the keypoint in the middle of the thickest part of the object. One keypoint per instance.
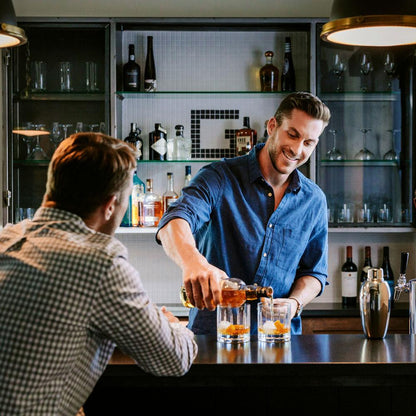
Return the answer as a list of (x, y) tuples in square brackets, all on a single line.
[(10, 34), (371, 23)]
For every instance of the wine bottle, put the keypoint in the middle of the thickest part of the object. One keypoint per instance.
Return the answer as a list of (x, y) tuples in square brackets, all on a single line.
[(388, 272), (269, 74), (150, 69), (157, 143), (367, 264), (288, 72), (135, 141), (234, 293), (188, 175), (131, 72), (349, 280), (245, 138), (170, 195)]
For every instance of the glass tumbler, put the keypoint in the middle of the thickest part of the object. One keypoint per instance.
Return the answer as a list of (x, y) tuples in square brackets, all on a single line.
[(65, 76), (233, 324), (38, 76), (273, 321)]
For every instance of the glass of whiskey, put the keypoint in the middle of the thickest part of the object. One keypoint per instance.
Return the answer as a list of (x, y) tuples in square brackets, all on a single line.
[(273, 321), (233, 324)]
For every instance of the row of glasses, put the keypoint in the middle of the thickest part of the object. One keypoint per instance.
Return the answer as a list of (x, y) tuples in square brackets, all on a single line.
[(339, 66), (364, 154), (361, 213)]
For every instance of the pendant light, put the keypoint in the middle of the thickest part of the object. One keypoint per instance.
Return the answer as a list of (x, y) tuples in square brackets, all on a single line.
[(10, 34), (371, 23)]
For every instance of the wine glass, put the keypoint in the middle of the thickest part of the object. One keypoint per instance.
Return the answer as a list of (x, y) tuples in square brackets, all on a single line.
[(79, 127), (391, 154), (338, 68), (28, 139), (364, 153), (334, 153), (56, 134), (65, 128), (389, 68), (38, 153), (366, 66)]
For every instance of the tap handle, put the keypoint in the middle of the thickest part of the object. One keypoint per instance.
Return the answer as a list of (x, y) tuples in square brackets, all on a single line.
[(403, 262)]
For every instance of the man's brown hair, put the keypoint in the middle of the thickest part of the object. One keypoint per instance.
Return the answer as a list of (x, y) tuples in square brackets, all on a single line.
[(87, 169)]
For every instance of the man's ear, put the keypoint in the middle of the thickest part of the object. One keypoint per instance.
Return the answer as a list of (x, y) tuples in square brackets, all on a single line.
[(271, 125), (109, 207)]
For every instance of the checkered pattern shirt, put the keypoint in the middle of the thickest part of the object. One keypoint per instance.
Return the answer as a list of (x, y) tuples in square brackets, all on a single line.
[(67, 296)]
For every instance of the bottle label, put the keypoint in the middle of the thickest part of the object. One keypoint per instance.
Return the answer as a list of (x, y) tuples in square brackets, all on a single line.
[(243, 144), (349, 284), (160, 146)]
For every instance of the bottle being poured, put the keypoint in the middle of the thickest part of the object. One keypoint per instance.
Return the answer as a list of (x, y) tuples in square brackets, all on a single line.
[(234, 293)]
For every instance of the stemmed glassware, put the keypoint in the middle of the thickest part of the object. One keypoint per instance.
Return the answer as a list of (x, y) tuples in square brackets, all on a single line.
[(56, 134), (364, 153), (389, 68), (65, 128), (334, 153), (29, 139), (366, 66), (338, 68), (38, 153), (391, 154)]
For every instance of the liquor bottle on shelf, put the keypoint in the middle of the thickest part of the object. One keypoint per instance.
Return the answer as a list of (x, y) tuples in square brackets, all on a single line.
[(150, 207), (388, 272), (157, 143), (367, 264), (171, 148), (170, 195), (245, 138), (183, 144), (188, 175), (269, 74), (349, 280), (135, 141), (131, 72), (265, 134), (234, 293), (150, 69), (131, 217), (288, 72)]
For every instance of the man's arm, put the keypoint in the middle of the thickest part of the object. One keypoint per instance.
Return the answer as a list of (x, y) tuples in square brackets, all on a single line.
[(201, 279), (305, 289)]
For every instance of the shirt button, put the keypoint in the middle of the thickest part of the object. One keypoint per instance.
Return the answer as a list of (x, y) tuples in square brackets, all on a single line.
[(270, 225), (269, 194), (264, 254)]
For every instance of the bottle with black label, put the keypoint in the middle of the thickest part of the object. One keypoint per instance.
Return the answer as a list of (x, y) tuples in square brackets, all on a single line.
[(288, 72), (150, 69), (367, 264), (245, 138), (131, 72), (349, 280), (135, 141), (157, 143), (388, 272)]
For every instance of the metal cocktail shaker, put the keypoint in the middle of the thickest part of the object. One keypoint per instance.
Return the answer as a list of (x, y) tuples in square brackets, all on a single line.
[(375, 304)]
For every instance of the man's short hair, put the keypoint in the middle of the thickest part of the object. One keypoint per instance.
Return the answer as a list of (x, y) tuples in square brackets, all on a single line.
[(303, 101), (87, 169)]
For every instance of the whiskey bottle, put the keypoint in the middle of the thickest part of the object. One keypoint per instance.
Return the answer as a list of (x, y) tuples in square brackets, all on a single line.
[(234, 293), (367, 264), (135, 141), (150, 70), (245, 138), (131, 72), (170, 195), (269, 74), (157, 143), (188, 175), (150, 207), (288, 72), (183, 144), (349, 280)]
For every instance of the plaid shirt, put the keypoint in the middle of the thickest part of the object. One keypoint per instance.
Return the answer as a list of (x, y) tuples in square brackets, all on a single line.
[(67, 296)]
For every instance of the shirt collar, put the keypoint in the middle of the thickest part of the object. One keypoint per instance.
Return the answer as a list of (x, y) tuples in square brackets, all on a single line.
[(254, 171)]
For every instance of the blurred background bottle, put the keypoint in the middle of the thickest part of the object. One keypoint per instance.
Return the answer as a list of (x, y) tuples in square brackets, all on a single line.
[(183, 144), (150, 207), (131, 72), (150, 69), (245, 138), (349, 280), (131, 217), (367, 264), (188, 175), (134, 140), (157, 143), (288, 72), (388, 272), (269, 74), (170, 195)]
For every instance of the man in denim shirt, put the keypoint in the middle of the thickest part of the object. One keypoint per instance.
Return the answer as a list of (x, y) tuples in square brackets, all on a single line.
[(255, 217)]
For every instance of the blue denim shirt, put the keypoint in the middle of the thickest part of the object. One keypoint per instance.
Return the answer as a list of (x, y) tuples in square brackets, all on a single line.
[(230, 209)]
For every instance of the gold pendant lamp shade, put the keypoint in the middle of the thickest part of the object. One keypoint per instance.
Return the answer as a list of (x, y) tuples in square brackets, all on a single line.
[(371, 23), (10, 34)]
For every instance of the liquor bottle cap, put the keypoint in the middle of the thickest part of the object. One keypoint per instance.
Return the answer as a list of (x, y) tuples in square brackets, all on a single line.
[(179, 127), (268, 53)]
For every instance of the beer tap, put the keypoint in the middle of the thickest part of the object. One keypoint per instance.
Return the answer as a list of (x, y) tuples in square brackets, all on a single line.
[(402, 285)]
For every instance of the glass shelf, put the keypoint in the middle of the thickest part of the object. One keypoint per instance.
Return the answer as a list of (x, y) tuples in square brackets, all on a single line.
[(141, 94), (358, 163), (361, 96), (180, 161), (62, 96), (24, 162)]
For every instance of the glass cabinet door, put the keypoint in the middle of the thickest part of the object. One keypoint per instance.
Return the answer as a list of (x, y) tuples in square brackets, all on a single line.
[(59, 85), (364, 160)]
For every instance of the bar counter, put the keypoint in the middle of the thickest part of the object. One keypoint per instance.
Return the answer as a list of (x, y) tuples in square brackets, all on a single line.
[(311, 374)]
